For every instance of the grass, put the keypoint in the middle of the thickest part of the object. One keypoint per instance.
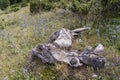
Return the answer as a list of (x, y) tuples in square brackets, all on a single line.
[(20, 32)]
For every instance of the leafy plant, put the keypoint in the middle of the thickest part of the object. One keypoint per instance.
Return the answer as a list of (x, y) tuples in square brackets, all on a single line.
[(63, 3), (24, 3), (4, 4), (37, 5), (34, 6)]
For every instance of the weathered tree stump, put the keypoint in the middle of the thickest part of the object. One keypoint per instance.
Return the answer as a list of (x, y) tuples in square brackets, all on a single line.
[(58, 48)]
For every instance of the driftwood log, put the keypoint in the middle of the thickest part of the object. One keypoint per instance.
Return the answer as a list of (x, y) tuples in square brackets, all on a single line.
[(58, 47)]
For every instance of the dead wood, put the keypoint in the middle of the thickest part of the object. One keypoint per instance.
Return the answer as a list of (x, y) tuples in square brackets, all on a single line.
[(58, 49)]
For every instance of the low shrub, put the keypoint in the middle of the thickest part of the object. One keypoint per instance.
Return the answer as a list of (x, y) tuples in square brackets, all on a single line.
[(2, 25), (46, 4), (15, 9), (34, 6), (37, 5), (63, 3), (14, 5), (81, 7), (24, 3), (75, 5), (4, 4)]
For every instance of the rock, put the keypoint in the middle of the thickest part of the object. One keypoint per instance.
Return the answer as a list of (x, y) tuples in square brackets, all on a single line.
[(98, 49)]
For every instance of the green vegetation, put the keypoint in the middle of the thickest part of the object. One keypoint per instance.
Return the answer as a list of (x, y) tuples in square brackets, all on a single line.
[(4, 4), (109, 7), (13, 5), (37, 5), (24, 3), (20, 32)]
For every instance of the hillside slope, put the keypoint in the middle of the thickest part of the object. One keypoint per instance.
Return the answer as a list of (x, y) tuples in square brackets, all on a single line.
[(20, 32)]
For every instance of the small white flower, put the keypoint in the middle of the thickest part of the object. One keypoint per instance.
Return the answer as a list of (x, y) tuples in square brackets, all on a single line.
[(94, 75)]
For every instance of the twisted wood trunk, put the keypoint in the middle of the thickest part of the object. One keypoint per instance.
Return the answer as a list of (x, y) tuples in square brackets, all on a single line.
[(58, 49)]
